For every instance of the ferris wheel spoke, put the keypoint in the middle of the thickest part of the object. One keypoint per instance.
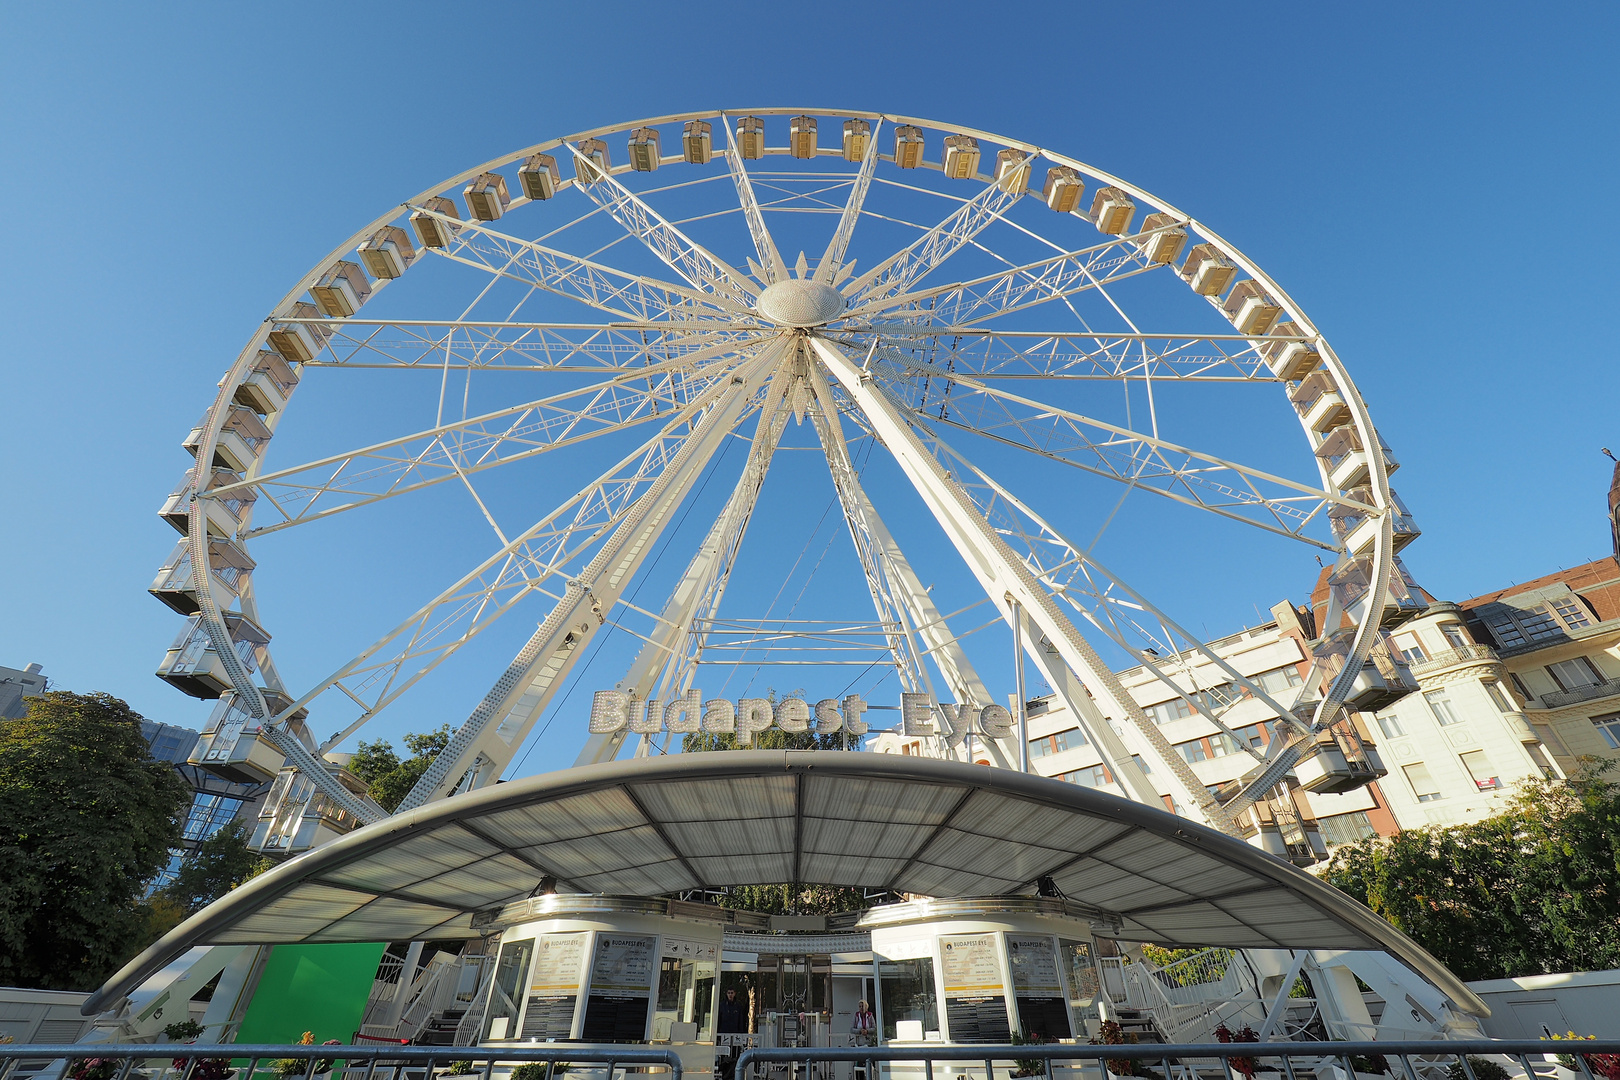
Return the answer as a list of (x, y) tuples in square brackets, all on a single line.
[(893, 276), (1080, 355), (487, 740), (1216, 484), (544, 553), (1102, 598), (671, 650), (968, 303), (631, 297), (1086, 685), (695, 264), (771, 268), (461, 344), (828, 271), (347, 481)]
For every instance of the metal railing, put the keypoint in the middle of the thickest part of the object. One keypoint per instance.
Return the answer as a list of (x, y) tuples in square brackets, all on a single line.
[(189, 1061), (1559, 698), (1202, 1061), (1463, 654)]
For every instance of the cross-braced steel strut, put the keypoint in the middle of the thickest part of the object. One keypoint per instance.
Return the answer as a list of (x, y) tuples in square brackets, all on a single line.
[(532, 678), (1005, 579), (897, 593), (699, 590)]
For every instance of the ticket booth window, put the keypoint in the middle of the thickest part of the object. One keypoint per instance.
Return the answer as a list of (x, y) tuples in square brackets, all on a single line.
[(907, 988), (1080, 971), (685, 1010), (504, 995)]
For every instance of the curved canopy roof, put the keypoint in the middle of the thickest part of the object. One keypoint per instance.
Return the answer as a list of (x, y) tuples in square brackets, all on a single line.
[(650, 826)]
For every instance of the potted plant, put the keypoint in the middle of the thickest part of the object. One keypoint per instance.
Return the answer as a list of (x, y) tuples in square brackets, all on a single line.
[(1484, 1069), (188, 1031), (1606, 1066), (1028, 1066), (1245, 1066), (1109, 1033), (95, 1068)]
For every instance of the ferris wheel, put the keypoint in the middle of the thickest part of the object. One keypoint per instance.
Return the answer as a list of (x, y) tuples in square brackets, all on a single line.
[(1040, 355)]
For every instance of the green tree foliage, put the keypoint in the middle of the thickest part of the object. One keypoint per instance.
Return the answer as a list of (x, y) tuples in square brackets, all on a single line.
[(86, 819), (390, 777), (794, 899), (220, 864), (1534, 890)]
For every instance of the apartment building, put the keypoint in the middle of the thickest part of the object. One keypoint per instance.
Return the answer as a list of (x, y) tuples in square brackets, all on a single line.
[(1451, 742), (1558, 640)]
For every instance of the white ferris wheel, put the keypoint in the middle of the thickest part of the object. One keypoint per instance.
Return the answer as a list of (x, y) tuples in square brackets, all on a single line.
[(1039, 357)]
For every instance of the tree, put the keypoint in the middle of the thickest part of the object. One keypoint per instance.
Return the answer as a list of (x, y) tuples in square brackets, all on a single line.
[(86, 820), (391, 778), (220, 864), (1533, 890)]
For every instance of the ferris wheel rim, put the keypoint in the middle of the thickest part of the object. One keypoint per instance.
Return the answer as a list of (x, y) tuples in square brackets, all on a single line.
[(1378, 480)]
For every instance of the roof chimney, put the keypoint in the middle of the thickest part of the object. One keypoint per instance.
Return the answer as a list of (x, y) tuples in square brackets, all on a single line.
[(1614, 501), (35, 669)]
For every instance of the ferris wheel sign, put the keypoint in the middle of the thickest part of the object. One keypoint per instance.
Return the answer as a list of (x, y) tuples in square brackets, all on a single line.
[(621, 710)]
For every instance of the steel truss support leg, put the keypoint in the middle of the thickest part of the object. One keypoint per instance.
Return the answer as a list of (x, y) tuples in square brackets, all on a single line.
[(530, 681), (701, 587), (1004, 578), (897, 592)]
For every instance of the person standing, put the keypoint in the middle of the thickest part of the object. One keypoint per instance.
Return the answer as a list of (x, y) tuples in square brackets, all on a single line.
[(864, 1026), (733, 1019)]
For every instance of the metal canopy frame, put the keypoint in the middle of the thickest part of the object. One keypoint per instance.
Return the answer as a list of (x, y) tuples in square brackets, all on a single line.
[(652, 825)]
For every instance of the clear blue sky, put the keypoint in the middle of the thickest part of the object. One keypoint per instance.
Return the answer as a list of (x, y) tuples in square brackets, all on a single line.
[(1433, 183)]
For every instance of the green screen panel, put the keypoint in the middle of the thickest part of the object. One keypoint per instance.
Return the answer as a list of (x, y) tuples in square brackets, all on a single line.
[(321, 989)]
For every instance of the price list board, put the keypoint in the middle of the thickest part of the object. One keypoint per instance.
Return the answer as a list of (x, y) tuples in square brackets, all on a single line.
[(554, 987), (621, 985), (975, 998), (1037, 990)]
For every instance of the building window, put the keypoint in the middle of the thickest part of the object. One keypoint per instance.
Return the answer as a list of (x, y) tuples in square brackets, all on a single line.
[(1440, 702), (1056, 744), (1170, 710), (1480, 768), (1454, 635), (1555, 618), (1254, 734), (1346, 828), (1278, 679), (1540, 758), (1608, 726), (1407, 645), (1423, 785), (1197, 750), (1572, 612), (1499, 696), (1391, 726), (1574, 674), (1097, 776), (209, 814), (1518, 684)]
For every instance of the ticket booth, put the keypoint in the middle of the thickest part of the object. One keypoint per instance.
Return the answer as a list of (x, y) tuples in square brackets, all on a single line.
[(979, 970), (595, 969)]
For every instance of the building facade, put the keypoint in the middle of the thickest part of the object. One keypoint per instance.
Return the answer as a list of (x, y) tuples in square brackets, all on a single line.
[(1558, 639), (18, 685), (215, 802), (1466, 717)]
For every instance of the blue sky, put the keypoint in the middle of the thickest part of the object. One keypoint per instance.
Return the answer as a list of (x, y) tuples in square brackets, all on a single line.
[(1432, 183)]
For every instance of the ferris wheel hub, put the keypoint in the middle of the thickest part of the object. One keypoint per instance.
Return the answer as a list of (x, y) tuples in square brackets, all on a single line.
[(799, 302)]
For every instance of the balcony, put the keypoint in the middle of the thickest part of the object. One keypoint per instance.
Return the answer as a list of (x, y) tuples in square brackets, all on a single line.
[(1557, 700), (1466, 654)]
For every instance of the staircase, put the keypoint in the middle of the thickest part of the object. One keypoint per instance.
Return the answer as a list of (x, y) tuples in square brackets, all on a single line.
[(441, 1030)]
